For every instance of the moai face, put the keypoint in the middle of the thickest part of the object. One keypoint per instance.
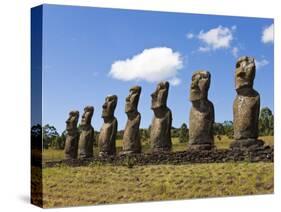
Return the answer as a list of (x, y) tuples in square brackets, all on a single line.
[(200, 85), (71, 122), (245, 73), (133, 99), (159, 97), (87, 116), (109, 106)]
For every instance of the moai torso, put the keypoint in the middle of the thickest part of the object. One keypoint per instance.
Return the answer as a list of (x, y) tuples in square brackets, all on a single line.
[(201, 118), (245, 113), (72, 136), (201, 122), (86, 143), (71, 145), (107, 136), (160, 131), (86, 140), (131, 137)]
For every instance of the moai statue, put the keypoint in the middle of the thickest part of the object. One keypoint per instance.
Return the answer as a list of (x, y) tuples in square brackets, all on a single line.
[(201, 118), (246, 105), (131, 137), (86, 140), (72, 136), (160, 132), (108, 130)]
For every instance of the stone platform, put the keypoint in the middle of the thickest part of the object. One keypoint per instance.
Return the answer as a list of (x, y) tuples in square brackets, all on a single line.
[(260, 154)]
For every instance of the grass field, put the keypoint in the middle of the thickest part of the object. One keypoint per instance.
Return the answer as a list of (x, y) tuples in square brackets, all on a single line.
[(223, 143), (101, 184)]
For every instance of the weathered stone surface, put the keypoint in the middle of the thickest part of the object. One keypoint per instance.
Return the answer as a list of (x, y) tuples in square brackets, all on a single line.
[(107, 136), (246, 105), (86, 140), (131, 137), (201, 118), (72, 136), (260, 154), (160, 132)]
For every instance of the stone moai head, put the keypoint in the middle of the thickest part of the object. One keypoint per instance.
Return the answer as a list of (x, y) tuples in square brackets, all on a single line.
[(159, 97), (200, 85), (71, 122), (109, 106), (245, 73), (133, 99), (87, 116)]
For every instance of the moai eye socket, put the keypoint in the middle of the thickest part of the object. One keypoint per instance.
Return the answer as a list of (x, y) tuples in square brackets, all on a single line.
[(162, 86), (238, 64), (111, 99)]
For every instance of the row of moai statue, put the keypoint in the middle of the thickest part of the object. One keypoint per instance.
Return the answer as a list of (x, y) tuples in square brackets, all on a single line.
[(245, 112)]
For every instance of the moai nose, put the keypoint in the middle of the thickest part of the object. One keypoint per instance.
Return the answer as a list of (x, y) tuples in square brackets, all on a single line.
[(128, 99), (241, 74)]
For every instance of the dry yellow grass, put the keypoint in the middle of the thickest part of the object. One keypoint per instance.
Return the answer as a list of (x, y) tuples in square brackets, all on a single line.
[(269, 140), (224, 141), (101, 184)]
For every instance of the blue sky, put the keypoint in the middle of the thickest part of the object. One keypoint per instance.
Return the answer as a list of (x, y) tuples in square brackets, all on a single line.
[(83, 45)]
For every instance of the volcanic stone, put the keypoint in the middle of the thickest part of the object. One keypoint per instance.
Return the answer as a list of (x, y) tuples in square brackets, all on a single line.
[(107, 136), (160, 132), (246, 105), (131, 137), (201, 118), (86, 140), (72, 136)]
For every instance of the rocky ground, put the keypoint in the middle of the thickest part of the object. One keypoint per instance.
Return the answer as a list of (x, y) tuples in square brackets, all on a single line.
[(261, 154)]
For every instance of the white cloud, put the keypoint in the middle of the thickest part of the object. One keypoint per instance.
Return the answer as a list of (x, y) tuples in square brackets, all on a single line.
[(152, 65), (175, 81), (235, 51), (268, 34), (261, 63), (190, 35), (216, 38), (203, 49)]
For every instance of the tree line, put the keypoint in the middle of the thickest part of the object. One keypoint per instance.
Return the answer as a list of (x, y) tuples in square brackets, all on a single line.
[(52, 139), (266, 125)]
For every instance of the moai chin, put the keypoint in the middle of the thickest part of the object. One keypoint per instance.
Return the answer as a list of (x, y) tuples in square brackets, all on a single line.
[(72, 136), (86, 140), (201, 118), (246, 105), (160, 132), (131, 137), (108, 130)]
